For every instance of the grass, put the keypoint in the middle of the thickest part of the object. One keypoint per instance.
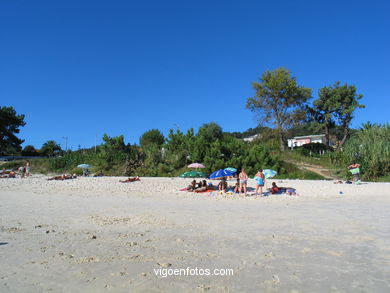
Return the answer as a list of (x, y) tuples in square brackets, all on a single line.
[(293, 172), (321, 161), (383, 178)]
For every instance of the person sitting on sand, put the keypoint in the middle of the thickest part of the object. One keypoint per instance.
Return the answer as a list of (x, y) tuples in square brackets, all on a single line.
[(222, 185), (274, 189), (236, 188), (280, 190), (203, 188), (130, 179), (192, 186), (22, 171)]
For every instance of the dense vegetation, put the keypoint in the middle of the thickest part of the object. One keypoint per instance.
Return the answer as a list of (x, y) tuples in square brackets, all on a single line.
[(370, 147), (282, 106), (170, 156)]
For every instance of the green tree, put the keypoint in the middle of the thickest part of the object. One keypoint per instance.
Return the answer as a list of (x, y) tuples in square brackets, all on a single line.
[(29, 150), (51, 149), (179, 148), (324, 109), (210, 131), (279, 101), (347, 101), (112, 151), (258, 157), (152, 137), (134, 160), (10, 122), (214, 158)]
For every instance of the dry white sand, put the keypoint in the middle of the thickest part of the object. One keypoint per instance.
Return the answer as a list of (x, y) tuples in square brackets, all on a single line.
[(99, 235)]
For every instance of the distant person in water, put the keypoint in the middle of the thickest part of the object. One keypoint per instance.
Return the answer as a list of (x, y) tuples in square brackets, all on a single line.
[(243, 181), (260, 178), (130, 179)]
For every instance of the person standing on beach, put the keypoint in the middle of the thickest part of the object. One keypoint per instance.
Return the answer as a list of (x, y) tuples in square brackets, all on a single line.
[(27, 169), (260, 178), (243, 181)]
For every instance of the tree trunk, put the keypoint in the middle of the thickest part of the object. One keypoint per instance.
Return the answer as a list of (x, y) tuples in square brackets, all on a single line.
[(281, 140), (327, 133), (346, 133)]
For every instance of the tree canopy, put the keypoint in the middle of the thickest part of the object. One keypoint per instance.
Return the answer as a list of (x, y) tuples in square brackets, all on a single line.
[(152, 137), (51, 148), (279, 101), (336, 104), (10, 122), (324, 109), (29, 150)]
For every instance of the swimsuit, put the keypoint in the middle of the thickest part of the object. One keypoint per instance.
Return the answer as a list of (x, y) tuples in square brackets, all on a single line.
[(260, 181)]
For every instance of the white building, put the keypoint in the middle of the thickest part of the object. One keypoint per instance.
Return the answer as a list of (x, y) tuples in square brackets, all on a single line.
[(301, 140), (251, 138)]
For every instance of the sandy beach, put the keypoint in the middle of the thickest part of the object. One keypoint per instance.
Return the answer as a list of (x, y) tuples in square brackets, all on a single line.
[(99, 235)]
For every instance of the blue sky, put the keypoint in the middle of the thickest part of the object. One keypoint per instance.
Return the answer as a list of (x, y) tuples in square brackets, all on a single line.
[(79, 69)]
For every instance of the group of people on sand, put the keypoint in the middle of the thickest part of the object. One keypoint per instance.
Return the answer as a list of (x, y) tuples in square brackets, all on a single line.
[(23, 171), (201, 186), (241, 184), (7, 173), (240, 187)]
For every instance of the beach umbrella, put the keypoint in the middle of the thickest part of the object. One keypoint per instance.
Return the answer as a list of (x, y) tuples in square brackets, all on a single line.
[(221, 173), (193, 174), (84, 166), (231, 169), (268, 173), (195, 165)]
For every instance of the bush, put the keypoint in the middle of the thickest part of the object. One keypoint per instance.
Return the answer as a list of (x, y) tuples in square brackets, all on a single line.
[(370, 148), (312, 149)]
